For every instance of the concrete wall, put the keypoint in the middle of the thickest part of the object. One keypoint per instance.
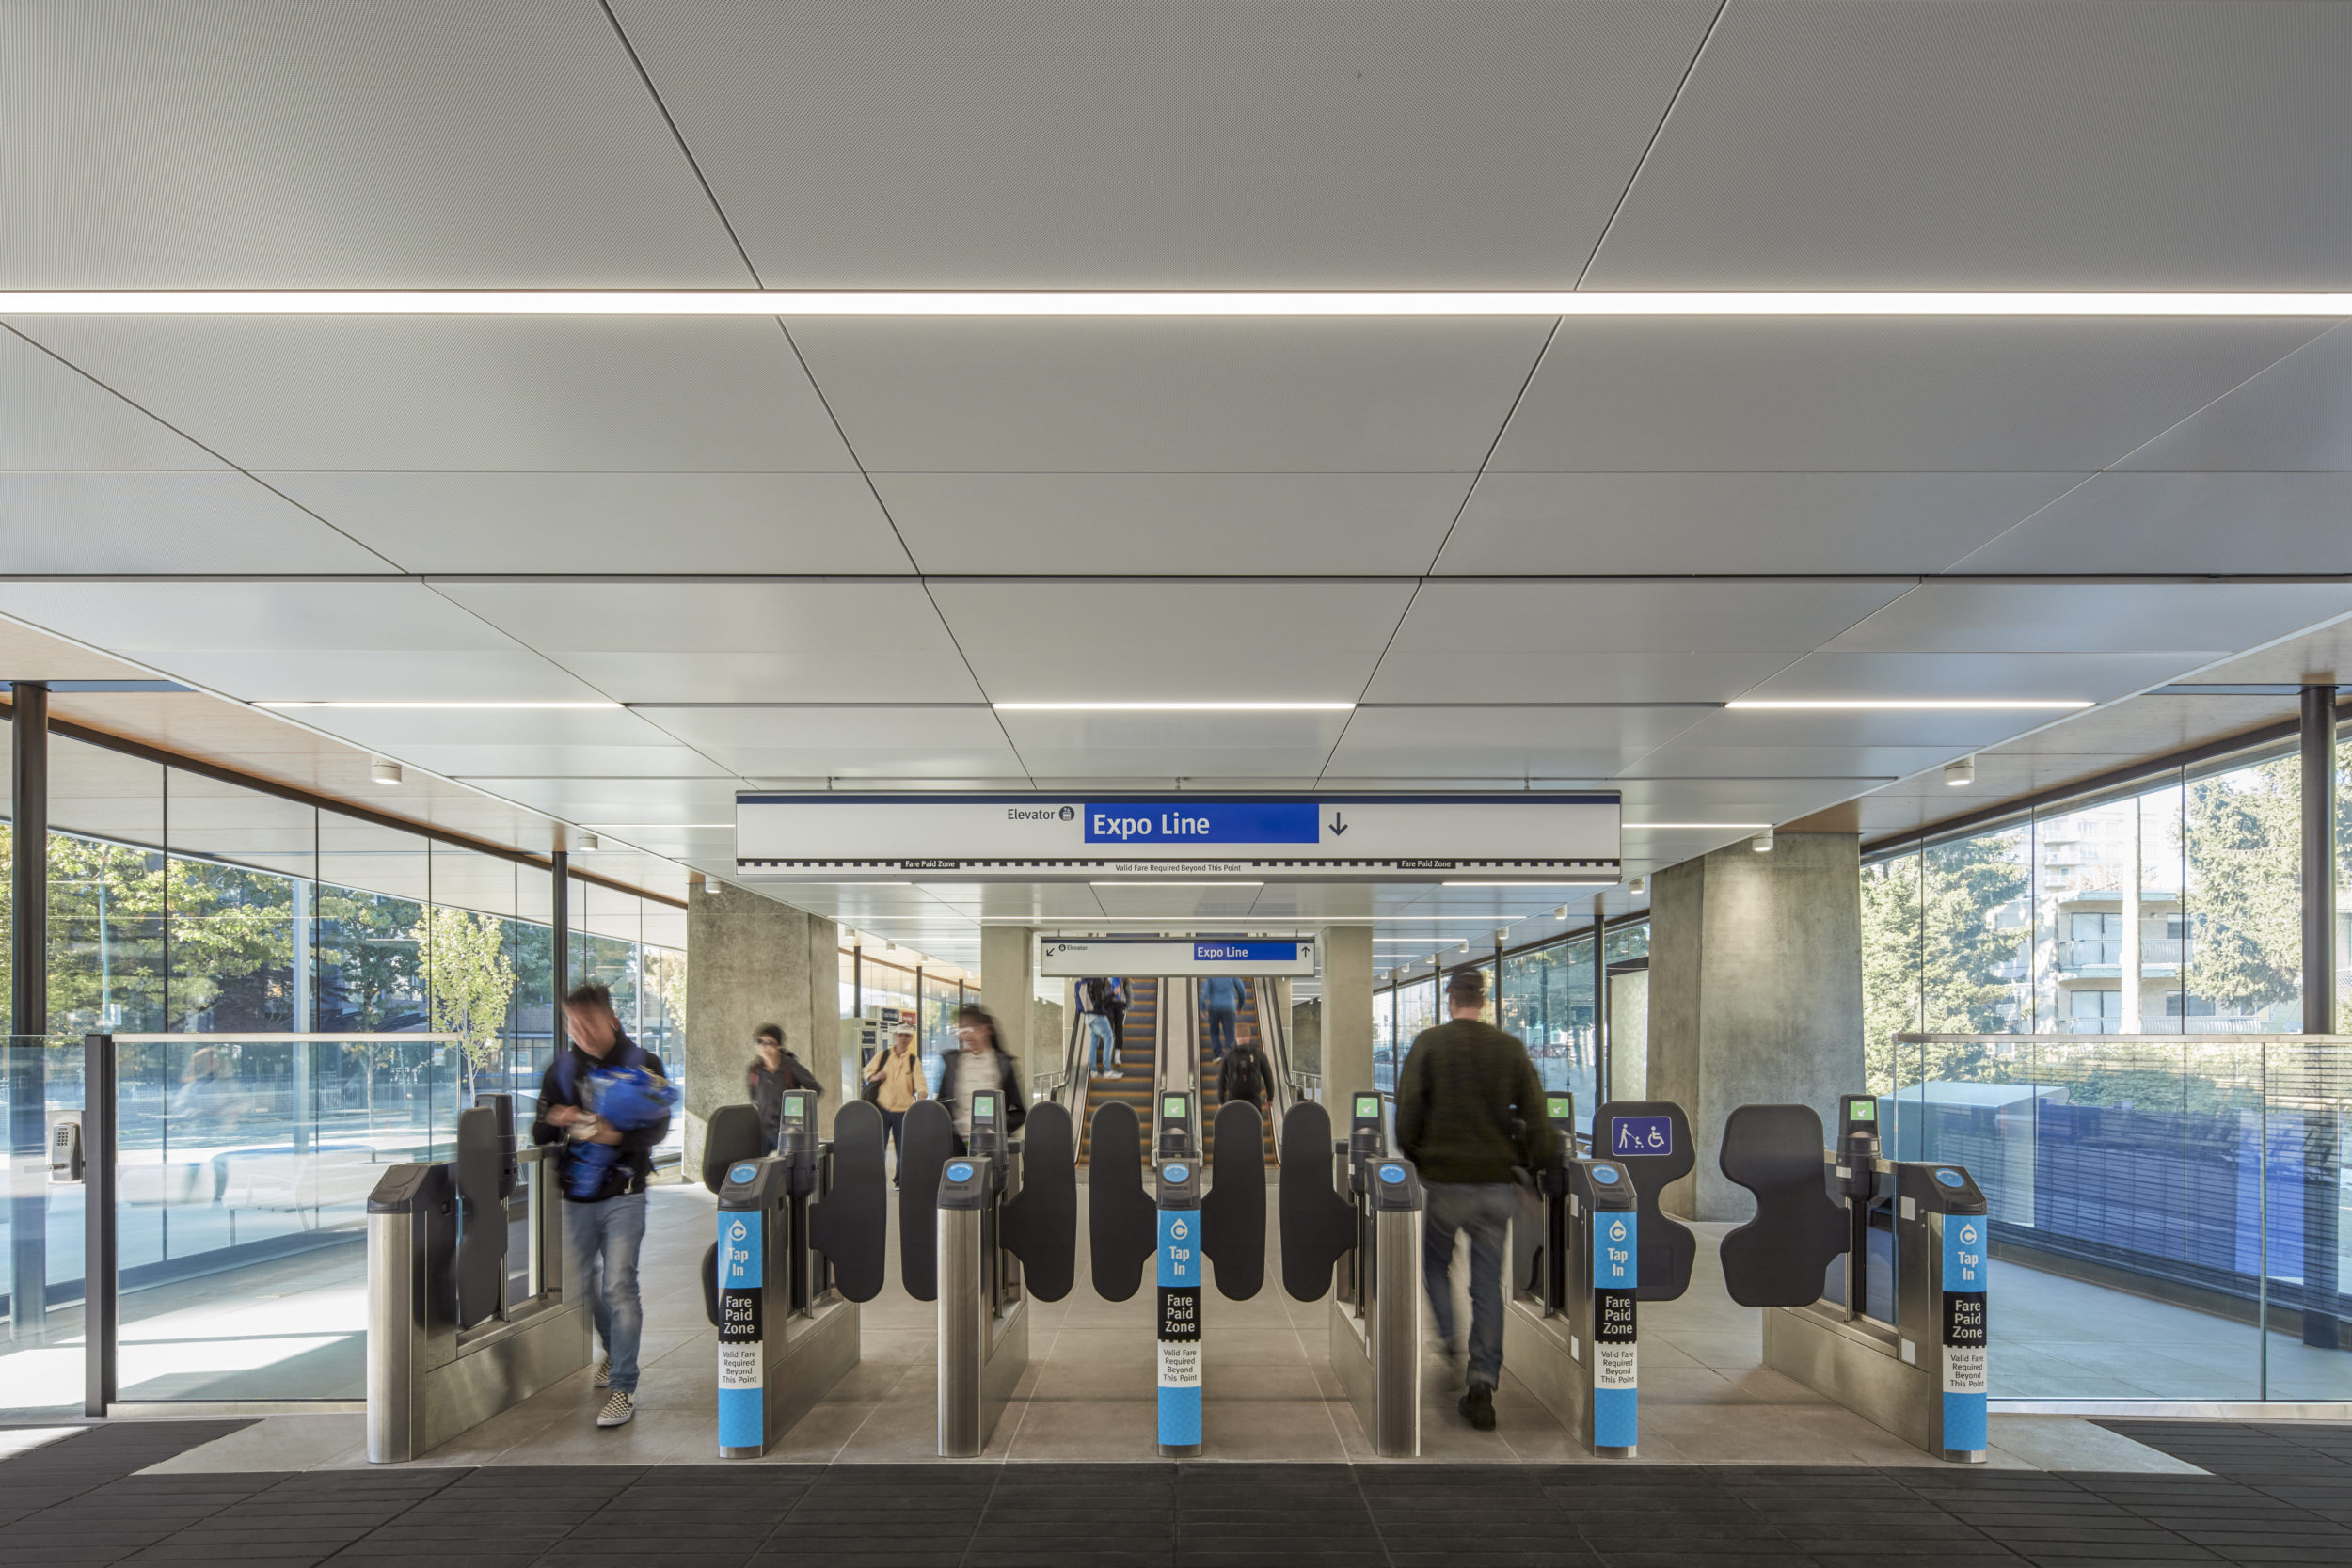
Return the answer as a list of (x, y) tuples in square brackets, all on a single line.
[(1049, 1038), (1008, 990), (752, 960), (1306, 1036), (1755, 992), (1346, 1010)]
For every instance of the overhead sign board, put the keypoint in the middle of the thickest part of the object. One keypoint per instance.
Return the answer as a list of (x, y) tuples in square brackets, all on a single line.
[(1076, 957), (1536, 837)]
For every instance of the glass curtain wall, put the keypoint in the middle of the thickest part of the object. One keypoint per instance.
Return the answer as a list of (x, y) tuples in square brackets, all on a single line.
[(1543, 994), (180, 904)]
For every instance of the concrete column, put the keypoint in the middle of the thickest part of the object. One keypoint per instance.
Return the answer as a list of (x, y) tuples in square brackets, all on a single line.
[(1755, 994), (1007, 985), (752, 960), (1345, 1012)]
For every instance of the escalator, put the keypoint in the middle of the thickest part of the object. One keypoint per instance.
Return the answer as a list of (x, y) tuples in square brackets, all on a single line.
[(1257, 1010), (1138, 1054)]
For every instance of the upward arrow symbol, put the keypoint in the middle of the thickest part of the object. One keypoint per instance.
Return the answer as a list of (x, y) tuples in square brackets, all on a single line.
[(1338, 827)]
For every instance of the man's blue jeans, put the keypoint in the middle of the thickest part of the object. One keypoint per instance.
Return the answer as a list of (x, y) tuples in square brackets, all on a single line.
[(1105, 1043), (1483, 1212), (604, 1239), (1220, 1031)]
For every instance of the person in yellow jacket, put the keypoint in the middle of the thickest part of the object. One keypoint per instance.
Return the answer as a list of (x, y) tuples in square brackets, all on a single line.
[(897, 1073)]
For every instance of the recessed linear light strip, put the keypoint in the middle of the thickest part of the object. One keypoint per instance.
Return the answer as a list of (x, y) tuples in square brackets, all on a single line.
[(1174, 708), (1112, 302), (1920, 704), (486, 706)]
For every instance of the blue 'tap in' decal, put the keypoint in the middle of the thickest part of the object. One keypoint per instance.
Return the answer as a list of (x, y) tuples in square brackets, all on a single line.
[(1965, 1333), (743, 1357), (1180, 1327), (1616, 1384)]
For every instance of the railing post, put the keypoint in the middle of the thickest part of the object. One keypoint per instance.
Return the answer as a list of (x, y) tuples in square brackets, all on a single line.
[(2322, 1156), (100, 1303)]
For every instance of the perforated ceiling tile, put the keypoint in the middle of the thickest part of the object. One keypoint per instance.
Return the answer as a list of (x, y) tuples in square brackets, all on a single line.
[(1775, 523), (2142, 144), (446, 394), (282, 144), (1122, 525), (1159, 396), (1271, 143), (1873, 395)]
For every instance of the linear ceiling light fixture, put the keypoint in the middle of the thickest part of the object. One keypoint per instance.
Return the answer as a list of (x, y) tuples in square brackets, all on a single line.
[(487, 707), (1174, 708), (1919, 704), (1564, 881), (1175, 881), (1130, 302), (1713, 827)]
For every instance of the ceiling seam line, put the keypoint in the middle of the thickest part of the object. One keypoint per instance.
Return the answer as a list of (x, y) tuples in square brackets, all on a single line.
[(2107, 468), (1341, 738), (1492, 446), (218, 456), (1651, 146), (686, 152)]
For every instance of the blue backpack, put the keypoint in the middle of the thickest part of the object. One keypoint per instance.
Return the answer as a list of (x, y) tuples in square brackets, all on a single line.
[(628, 1091)]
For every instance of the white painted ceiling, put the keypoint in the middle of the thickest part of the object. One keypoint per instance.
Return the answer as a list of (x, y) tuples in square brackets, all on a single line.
[(812, 550)]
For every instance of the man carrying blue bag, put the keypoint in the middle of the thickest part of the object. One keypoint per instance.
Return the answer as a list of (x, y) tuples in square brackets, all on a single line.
[(608, 1104)]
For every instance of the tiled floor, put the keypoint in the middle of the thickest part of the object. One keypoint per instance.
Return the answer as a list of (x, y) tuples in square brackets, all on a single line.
[(97, 1498), (1088, 1394)]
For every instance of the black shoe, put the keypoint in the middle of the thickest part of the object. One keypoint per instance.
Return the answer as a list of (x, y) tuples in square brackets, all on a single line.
[(1478, 1407)]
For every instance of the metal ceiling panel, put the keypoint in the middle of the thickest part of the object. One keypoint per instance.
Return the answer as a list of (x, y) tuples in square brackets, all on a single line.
[(605, 522), (1158, 396), (1973, 144), (600, 797), (1602, 523), (378, 675), (53, 418), (1218, 640), (1265, 746), (1950, 731), (1526, 742), (2297, 415), (449, 393), (284, 144), (382, 729), (461, 760), (1227, 144), (718, 641), (1683, 759), (2025, 676), (844, 743), (252, 616), (220, 522), (1873, 396), (1173, 524), (2185, 523), (1959, 617)]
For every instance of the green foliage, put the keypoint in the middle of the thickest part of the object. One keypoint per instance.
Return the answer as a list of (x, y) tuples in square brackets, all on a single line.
[(2245, 891), (470, 979), (1930, 950)]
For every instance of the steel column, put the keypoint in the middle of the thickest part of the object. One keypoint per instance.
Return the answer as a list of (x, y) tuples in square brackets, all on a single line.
[(1600, 1001), (559, 892), (2322, 1153), (101, 1304), (28, 1013)]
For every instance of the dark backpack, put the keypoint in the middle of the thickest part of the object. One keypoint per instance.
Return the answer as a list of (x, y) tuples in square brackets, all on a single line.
[(1243, 1074)]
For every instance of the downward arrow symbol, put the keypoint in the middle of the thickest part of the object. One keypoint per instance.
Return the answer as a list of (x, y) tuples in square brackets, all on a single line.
[(1338, 827)]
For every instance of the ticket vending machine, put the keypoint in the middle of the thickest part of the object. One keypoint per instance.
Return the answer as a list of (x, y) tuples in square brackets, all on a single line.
[(1194, 1224), (1358, 1214), (1908, 1355)]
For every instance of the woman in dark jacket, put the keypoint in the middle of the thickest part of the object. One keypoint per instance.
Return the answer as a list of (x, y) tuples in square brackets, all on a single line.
[(772, 1070), (982, 1064)]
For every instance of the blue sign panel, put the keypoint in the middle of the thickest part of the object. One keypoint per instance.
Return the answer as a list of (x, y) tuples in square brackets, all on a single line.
[(1616, 1381), (1203, 822), (1180, 1327), (742, 1272), (1630, 1135), (1245, 951), (1966, 1331)]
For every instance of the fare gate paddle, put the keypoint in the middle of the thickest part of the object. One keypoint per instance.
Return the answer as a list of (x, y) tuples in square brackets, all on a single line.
[(1651, 1139), (784, 1306), (1919, 1373)]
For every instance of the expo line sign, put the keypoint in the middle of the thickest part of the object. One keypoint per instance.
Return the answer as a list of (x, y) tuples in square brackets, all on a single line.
[(1547, 838)]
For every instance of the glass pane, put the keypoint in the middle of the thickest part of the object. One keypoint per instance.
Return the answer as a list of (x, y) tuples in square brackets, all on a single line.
[(2309, 1348), (239, 897), (244, 1172), (40, 1232), (373, 886), (469, 956), (2243, 898), (105, 890)]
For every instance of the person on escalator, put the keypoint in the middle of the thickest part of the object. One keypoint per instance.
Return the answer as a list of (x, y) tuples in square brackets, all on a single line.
[(1220, 1003), (982, 1064), (605, 1223), (1245, 1076), (1470, 1112), (1094, 1008)]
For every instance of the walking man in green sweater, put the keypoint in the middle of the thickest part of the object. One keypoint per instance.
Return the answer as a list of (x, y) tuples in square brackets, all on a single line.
[(1469, 1110)]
